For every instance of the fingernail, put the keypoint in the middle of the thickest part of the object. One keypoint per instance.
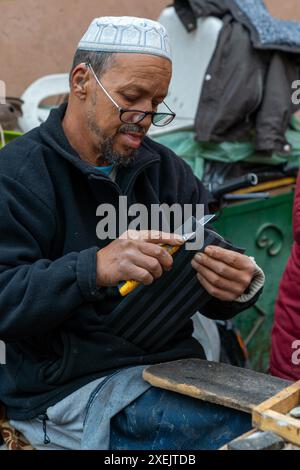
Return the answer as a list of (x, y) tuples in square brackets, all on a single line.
[(208, 251), (199, 257), (178, 240)]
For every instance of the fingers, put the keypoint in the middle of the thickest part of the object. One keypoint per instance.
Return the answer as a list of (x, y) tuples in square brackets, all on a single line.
[(166, 238), (231, 258), (232, 286), (140, 275), (224, 274), (215, 291), (217, 266), (159, 253), (149, 267), (153, 236), (151, 259), (223, 270), (149, 264)]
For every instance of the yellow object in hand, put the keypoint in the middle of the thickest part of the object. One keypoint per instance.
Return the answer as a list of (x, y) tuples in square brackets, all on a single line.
[(129, 286)]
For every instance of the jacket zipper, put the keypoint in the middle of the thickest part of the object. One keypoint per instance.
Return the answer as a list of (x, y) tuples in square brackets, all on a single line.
[(131, 181), (139, 171)]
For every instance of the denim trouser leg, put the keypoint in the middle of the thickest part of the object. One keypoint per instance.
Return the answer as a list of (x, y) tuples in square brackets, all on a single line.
[(163, 420)]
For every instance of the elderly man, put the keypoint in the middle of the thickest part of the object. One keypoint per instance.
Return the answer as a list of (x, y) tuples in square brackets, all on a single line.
[(70, 382)]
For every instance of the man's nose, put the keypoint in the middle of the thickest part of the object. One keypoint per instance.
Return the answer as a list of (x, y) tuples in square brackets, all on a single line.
[(146, 121)]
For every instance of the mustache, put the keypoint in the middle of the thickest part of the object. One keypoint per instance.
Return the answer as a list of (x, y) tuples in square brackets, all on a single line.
[(130, 127)]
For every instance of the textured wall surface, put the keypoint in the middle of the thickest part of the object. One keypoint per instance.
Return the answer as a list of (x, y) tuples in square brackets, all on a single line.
[(38, 37), (284, 9)]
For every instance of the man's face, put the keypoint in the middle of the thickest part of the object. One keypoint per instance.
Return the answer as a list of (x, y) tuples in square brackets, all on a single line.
[(134, 81)]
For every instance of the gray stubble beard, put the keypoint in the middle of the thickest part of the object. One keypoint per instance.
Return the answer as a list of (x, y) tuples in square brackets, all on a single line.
[(107, 154)]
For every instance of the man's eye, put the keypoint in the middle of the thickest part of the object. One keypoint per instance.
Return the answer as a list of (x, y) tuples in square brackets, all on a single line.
[(131, 99)]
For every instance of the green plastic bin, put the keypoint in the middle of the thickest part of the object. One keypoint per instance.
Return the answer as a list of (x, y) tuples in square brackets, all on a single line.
[(264, 229)]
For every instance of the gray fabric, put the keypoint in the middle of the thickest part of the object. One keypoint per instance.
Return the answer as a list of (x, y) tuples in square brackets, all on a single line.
[(74, 420), (119, 390), (65, 425), (270, 30)]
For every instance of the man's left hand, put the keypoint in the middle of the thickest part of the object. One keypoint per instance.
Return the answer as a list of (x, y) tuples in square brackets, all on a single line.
[(223, 273)]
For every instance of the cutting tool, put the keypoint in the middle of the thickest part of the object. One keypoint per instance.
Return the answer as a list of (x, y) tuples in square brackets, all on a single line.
[(128, 286)]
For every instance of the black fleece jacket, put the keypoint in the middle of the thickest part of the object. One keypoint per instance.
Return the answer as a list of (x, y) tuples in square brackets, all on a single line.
[(51, 312)]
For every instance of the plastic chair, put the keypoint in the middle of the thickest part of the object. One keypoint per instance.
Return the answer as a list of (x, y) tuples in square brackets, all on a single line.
[(192, 53), (44, 87)]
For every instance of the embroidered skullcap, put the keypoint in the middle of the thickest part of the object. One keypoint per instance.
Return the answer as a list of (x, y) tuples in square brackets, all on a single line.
[(126, 34)]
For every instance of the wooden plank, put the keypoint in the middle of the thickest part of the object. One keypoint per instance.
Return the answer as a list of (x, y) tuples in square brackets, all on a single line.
[(283, 401), (271, 414), (284, 426), (287, 445), (223, 384), (287, 404)]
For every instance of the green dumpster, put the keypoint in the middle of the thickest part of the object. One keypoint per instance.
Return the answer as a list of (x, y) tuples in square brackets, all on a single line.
[(9, 136), (264, 229)]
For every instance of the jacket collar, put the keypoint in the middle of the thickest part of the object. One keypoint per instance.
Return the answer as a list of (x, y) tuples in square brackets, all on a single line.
[(52, 134)]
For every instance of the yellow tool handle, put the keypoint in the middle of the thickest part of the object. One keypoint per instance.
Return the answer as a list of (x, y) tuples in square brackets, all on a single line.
[(129, 286)]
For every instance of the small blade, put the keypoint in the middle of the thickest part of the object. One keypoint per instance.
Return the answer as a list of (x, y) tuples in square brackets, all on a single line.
[(206, 218), (203, 221), (187, 236)]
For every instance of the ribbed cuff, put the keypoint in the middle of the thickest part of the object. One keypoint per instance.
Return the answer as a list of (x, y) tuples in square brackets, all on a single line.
[(87, 273), (255, 286)]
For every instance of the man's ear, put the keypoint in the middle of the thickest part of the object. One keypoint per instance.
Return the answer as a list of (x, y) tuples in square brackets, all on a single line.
[(79, 81)]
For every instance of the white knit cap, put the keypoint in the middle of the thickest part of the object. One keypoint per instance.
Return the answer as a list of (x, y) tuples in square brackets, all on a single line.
[(126, 34)]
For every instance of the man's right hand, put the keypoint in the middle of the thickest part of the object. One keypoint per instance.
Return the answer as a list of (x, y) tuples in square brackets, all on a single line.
[(137, 256)]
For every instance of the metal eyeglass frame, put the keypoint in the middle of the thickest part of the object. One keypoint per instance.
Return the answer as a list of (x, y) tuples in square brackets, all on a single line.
[(124, 110)]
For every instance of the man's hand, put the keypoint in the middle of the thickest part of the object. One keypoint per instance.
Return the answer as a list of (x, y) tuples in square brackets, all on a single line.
[(223, 273), (135, 256)]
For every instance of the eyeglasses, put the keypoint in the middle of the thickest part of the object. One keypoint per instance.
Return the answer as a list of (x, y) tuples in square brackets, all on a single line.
[(134, 116)]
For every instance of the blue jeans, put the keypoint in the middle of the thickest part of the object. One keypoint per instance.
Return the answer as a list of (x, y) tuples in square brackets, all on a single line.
[(163, 420), (123, 412)]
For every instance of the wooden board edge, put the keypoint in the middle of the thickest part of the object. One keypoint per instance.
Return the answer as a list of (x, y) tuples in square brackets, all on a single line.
[(194, 392), (285, 426), (279, 397)]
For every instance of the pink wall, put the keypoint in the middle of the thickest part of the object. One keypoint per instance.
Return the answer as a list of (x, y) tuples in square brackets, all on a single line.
[(38, 37), (285, 9)]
